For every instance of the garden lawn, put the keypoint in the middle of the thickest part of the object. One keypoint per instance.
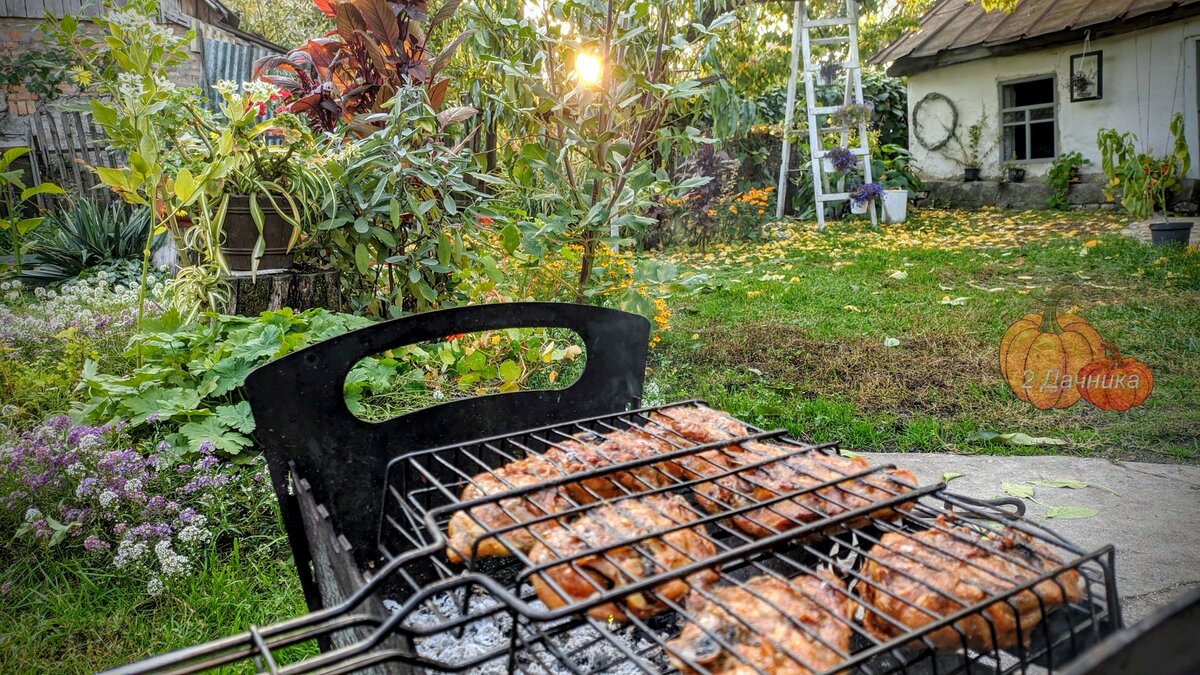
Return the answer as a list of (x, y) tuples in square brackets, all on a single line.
[(797, 332)]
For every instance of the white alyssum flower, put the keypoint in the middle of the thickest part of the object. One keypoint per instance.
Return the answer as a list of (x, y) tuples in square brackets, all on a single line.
[(192, 533), (107, 497), (128, 551), (154, 586), (172, 563), (32, 514)]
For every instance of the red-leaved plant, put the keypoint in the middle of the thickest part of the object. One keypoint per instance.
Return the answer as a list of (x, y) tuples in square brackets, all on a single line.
[(376, 47)]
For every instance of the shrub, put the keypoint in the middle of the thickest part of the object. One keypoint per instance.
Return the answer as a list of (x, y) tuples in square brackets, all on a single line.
[(88, 491), (88, 235)]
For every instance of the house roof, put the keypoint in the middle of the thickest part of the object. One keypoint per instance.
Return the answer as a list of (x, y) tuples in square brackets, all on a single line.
[(954, 31)]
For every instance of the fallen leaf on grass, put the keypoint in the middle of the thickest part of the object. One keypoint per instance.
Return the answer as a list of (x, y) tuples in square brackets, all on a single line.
[(977, 287), (956, 301), (1015, 438), (1018, 490), (950, 475), (899, 275), (851, 308), (1024, 277), (891, 342), (1070, 512)]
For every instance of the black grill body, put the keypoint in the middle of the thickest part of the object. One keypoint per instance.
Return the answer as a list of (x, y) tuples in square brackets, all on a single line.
[(366, 507)]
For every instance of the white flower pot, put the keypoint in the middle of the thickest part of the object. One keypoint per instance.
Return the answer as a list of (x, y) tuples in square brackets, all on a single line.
[(895, 206), (859, 208)]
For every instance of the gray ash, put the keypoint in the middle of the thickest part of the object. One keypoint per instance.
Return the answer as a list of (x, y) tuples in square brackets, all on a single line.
[(591, 648)]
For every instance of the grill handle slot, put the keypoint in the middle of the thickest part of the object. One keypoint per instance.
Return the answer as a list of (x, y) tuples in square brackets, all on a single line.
[(302, 419)]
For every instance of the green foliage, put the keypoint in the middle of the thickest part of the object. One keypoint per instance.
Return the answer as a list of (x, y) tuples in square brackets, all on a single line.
[(16, 200), (190, 374), (403, 213), (40, 71), (89, 235), (892, 168), (1144, 180), (1059, 177), (187, 388), (287, 23), (593, 168)]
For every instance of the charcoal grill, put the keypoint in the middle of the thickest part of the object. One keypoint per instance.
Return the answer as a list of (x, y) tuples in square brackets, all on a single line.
[(366, 507)]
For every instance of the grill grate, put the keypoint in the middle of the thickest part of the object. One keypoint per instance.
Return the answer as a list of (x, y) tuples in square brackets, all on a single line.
[(423, 490), (862, 523)]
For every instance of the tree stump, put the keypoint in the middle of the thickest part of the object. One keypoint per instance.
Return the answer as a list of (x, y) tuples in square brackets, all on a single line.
[(278, 289)]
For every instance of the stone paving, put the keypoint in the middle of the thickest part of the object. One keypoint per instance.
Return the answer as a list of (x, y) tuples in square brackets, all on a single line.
[(1149, 512), (1141, 230)]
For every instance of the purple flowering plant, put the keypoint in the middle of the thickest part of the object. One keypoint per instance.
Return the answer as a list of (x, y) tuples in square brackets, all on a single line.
[(866, 192), (843, 159), (89, 491)]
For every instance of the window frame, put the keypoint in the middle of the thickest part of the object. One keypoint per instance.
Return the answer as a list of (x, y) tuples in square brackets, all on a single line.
[(1052, 107)]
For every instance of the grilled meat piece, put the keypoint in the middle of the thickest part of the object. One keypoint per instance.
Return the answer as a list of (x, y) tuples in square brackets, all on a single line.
[(793, 472), (634, 527), (590, 452), (798, 626), (947, 568), (465, 529)]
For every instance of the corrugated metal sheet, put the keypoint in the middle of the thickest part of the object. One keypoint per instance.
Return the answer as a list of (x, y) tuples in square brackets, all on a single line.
[(962, 27)]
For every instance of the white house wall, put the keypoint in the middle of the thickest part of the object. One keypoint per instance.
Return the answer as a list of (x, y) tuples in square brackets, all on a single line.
[(1149, 75)]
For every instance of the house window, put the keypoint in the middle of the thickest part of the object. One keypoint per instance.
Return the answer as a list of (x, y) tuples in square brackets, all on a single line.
[(1027, 119)]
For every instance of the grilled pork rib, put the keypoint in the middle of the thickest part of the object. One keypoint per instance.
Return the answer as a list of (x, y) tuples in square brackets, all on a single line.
[(771, 479), (635, 527), (465, 529), (582, 453), (945, 569), (798, 626)]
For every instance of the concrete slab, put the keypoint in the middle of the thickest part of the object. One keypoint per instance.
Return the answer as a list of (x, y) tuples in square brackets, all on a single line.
[(1150, 512)]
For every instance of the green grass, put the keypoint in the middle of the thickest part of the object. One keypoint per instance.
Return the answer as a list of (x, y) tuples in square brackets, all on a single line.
[(64, 616), (791, 333)]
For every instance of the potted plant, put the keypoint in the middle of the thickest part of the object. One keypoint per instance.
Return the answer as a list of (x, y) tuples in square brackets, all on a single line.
[(1013, 173), (839, 160), (862, 196), (269, 186), (1081, 84), (1063, 173), (851, 115), (829, 71), (1146, 180), (972, 151)]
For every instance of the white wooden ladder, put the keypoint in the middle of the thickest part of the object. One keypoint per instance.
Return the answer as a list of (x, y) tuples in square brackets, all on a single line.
[(838, 36)]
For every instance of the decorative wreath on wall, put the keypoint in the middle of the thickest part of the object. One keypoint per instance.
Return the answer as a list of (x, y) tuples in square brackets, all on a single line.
[(919, 129)]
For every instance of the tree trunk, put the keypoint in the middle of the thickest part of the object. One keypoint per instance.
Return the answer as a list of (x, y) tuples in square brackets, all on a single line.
[(275, 290)]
